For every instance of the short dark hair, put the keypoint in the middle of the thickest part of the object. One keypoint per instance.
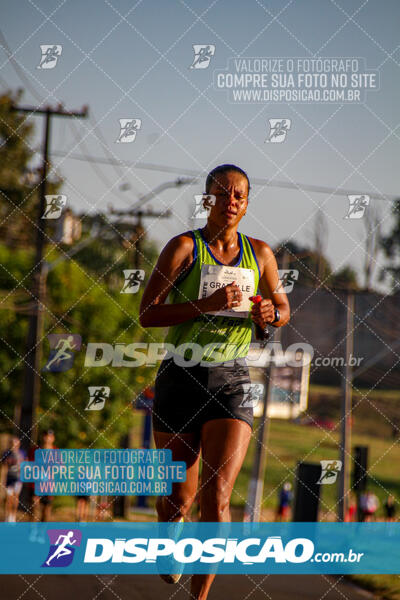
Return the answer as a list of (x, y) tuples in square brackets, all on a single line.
[(48, 432), (221, 169)]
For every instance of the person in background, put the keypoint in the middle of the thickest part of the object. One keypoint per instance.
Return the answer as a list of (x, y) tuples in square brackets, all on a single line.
[(11, 461), (41, 505), (284, 501), (369, 504), (390, 508), (82, 508), (352, 508)]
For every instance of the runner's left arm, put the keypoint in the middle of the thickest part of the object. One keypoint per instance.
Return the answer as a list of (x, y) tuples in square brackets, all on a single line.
[(271, 289)]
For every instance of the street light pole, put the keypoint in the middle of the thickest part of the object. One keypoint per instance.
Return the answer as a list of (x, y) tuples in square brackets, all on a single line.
[(256, 485), (345, 429)]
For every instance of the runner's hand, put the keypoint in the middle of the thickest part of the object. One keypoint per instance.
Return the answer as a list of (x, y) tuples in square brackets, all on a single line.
[(229, 296), (263, 313)]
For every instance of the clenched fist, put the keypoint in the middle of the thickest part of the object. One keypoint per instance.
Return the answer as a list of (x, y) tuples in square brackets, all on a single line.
[(263, 312), (229, 296)]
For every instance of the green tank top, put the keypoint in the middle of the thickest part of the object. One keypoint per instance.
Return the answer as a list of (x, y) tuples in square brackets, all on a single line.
[(220, 338)]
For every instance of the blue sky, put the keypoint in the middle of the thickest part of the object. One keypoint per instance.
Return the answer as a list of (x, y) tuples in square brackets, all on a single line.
[(131, 60)]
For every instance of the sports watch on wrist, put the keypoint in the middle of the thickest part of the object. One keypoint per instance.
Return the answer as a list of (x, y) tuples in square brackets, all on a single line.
[(277, 315)]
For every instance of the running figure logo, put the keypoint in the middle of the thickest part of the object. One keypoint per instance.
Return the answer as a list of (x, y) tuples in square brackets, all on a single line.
[(62, 348), (357, 206), (253, 393), (97, 397), (203, 204), (54, 205), (62, 547), (133, 279), (278, 129), (287, 277), (202, 55), (50, 56), (128, 130), (330, 471)]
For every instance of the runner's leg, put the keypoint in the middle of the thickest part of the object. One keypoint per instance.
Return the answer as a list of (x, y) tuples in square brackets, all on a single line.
[(186, 447), (14, 504), (224, 444), (8, 504)]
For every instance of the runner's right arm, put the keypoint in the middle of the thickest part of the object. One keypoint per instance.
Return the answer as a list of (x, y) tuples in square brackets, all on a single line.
[(174, 259)]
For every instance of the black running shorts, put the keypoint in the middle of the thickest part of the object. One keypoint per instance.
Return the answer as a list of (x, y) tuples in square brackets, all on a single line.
[(187, 397)]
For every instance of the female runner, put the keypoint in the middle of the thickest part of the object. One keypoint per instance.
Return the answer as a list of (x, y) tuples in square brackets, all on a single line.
[(197, 408)]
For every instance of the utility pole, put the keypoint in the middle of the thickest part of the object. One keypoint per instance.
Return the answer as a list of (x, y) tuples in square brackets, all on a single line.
[(136, 239), (30, 399), (345, 430), (139, 230), (137, 211)]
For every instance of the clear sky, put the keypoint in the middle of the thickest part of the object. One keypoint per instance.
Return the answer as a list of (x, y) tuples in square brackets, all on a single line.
[(129, 59)]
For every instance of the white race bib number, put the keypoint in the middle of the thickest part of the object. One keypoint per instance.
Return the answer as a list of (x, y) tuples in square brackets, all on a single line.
[(214, 277)]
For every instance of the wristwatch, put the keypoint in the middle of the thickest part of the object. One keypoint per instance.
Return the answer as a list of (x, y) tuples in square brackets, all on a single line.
[(277, 315)]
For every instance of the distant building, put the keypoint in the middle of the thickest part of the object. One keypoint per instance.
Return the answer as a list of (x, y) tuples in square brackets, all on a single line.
[(318, 317), (68, 228)]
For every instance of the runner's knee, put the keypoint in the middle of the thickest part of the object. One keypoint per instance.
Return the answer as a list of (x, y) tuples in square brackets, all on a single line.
[(215, 498), (177, 505)]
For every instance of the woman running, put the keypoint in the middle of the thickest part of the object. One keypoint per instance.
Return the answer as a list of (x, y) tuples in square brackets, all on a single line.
[(198, 405)]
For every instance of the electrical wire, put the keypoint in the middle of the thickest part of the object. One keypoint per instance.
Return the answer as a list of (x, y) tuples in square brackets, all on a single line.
[(255, 180)]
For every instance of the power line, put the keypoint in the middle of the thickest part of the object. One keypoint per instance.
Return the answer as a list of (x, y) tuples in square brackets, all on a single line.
[(109, 185), (26, 82), (319, 189), (18, 69), (181, 171), (99, 134)]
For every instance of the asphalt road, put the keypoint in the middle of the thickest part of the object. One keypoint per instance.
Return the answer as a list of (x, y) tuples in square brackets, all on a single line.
[(151, 587)]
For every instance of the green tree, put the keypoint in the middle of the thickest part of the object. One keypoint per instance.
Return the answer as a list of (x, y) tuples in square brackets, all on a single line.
[(82, 296), (344, 278), (113, 249), (19, 180), (15, 134), (390, 244), (77, 302)]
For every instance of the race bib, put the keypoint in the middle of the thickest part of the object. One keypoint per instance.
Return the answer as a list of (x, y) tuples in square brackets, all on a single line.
[(214, 277)]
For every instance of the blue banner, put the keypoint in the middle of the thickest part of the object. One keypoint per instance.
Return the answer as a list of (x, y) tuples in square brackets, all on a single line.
[(129, 472), (150, 548)]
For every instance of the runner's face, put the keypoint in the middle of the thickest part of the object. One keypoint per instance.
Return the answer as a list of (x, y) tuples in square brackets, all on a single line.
[(230, 190)]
